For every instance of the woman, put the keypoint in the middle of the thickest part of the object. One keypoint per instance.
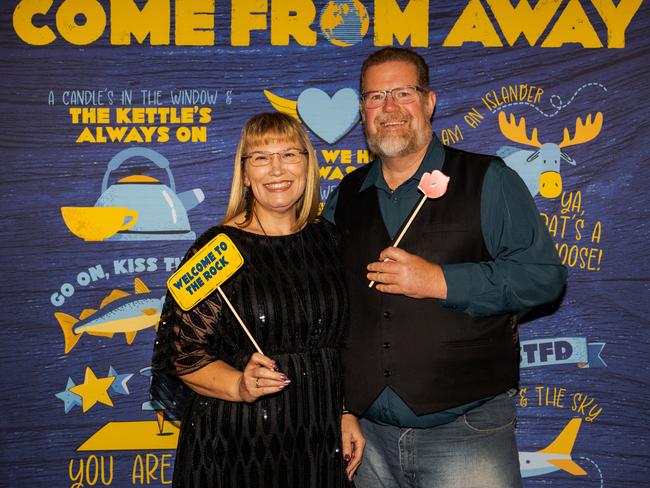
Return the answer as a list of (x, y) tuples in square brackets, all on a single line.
[(269, 420)]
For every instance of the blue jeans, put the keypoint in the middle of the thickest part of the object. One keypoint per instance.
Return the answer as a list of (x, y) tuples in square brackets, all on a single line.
[(477, 450)]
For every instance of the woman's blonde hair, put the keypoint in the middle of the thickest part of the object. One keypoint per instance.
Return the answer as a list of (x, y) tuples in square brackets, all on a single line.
[(268, 128)]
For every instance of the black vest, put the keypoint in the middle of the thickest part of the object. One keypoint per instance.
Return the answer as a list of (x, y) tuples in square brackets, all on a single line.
[(432, 356)]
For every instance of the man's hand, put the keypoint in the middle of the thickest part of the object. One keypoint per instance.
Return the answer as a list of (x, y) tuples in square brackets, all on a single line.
[(402, 273)]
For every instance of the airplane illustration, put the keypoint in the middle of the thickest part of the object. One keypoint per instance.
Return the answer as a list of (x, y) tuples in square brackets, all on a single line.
[(554, 457)]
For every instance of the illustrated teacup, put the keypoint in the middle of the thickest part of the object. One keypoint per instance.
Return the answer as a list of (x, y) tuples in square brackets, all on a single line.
[(98, 223)]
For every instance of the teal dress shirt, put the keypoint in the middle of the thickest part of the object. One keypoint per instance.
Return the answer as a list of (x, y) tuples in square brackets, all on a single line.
[(525, 261)]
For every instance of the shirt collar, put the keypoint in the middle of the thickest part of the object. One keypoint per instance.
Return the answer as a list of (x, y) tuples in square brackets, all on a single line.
[(433, 159)]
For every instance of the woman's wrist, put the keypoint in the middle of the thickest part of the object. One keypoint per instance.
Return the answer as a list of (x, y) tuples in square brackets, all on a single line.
[(344, 410), (239, 392)]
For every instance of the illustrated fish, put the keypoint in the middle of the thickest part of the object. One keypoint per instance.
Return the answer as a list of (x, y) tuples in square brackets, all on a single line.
[(119, 313)]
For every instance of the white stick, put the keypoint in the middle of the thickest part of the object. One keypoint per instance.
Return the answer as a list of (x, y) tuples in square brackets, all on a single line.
[(408, 224), (232, 309)]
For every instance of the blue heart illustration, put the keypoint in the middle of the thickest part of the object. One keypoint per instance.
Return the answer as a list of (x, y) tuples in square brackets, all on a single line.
[(329, 118)]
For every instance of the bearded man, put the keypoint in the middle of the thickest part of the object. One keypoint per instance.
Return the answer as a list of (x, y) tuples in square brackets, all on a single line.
[(431, 361)]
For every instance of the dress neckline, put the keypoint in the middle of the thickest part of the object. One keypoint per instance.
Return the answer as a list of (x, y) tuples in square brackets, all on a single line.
[(264, 236)]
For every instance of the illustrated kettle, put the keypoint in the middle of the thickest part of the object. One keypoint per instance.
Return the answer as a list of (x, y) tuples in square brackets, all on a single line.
[(162, 214)]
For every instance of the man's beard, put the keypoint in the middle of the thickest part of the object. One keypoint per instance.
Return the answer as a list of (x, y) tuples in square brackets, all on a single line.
[(398, 144)]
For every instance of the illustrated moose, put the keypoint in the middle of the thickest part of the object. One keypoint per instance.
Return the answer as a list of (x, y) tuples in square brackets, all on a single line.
[(540, 169)]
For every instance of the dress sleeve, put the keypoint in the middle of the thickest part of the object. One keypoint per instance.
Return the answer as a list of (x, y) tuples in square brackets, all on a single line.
[(187, 338), (185, 342)]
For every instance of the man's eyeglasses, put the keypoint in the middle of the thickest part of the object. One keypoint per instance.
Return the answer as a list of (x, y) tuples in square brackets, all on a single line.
[(262, 158), (401, 95)]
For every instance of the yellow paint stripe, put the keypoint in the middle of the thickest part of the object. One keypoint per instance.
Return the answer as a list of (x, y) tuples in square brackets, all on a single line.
[(132, 436)]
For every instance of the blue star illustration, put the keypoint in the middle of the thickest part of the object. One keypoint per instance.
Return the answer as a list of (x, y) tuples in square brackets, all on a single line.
[(70, 399), (119, 385)]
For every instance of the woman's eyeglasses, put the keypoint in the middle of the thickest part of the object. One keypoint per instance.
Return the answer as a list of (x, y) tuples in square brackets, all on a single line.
[(262, 158)]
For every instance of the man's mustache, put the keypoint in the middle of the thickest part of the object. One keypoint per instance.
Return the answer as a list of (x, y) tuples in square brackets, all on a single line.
[(401, 117)]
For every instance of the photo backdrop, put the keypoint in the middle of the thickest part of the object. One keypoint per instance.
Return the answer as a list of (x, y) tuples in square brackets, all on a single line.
[(119, 126)]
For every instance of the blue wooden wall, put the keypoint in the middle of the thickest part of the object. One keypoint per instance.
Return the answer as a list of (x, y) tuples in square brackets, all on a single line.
[(78, 415)]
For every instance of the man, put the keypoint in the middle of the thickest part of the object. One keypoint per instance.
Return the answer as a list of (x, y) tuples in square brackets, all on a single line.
[(431, 360)]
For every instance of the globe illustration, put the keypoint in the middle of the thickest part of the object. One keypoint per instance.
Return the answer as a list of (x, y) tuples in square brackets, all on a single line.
[(344, 22)]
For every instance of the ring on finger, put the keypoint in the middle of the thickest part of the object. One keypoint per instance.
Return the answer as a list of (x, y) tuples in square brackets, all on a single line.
[(257, 383)]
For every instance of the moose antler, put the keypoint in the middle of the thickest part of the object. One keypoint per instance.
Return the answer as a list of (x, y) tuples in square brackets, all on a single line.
[(584, 132), (517, 132)]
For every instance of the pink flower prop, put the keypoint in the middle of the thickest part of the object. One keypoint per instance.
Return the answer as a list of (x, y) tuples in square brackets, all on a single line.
[(434, 184)]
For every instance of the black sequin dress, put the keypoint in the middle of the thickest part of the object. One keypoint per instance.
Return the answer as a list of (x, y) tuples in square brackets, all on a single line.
[(291, 294)]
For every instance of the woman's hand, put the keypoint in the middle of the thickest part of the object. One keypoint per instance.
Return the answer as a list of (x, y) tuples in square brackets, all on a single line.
[(259, 378), (353, 442)]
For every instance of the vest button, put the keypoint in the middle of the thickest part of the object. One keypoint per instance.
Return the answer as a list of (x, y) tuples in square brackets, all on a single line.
[(387, 373), (386, 345), (386, 314)]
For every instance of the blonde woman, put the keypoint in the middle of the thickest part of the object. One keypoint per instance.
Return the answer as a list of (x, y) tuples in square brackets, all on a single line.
[(273, 420)]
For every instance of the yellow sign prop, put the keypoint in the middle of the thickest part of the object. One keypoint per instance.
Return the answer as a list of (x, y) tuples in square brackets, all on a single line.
[(204, 272)]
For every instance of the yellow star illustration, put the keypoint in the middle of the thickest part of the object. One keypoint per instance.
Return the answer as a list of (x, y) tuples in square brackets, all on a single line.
[(93, 390)]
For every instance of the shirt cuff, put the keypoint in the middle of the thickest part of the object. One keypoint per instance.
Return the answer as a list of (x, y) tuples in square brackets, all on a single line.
[(459, 280)]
